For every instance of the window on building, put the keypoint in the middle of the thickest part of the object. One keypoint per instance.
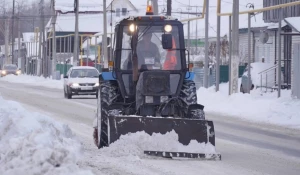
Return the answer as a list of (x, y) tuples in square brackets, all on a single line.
[(124, 11), (118, 11)]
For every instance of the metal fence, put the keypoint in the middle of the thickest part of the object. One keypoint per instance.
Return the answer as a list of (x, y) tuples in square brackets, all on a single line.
[(224, 75), (199, 77)]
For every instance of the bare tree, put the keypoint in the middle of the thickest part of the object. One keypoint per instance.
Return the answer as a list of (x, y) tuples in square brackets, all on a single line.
[(28, 16)]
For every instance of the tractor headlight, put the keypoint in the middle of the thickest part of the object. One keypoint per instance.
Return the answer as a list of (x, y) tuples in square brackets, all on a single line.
[(168, 28), (149, 99), (164, 99), (132, 28)]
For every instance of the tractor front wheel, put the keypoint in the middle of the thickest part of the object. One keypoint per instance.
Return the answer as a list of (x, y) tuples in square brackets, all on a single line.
[(107, 94), (188, 95)]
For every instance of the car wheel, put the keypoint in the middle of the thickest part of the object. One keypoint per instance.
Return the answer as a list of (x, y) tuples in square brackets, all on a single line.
[(241, 89), (69, 95), (65, 93)]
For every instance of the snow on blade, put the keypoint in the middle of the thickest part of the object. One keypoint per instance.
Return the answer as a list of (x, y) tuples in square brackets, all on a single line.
[(134, 144), (35, 144)]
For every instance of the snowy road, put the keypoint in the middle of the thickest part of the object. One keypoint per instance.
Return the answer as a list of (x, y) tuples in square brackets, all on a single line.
[(246, 148)]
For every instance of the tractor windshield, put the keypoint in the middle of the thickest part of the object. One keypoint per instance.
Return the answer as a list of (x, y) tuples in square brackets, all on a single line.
[(150, 52)]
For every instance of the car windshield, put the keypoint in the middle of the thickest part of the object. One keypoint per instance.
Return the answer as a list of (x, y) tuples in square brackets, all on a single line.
[(10, 67), (84, 73), (150, 52)]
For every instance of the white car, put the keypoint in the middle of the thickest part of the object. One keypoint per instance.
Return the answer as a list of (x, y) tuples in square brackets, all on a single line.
[(81, 80)]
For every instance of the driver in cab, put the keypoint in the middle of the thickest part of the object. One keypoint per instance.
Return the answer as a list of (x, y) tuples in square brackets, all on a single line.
[(148, 53)]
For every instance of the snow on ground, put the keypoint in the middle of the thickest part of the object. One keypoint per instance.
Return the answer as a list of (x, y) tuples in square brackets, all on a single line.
[(36, 144), (34, 81), (256, 106)]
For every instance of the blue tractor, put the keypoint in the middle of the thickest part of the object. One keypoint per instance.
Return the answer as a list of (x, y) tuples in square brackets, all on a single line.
[(150, 87)]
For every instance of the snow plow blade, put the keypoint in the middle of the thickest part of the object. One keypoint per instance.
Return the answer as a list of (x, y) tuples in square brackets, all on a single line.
[(187, 129), (165, 154)]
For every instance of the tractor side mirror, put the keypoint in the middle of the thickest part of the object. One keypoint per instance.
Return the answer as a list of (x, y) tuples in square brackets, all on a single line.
[(167, 41)]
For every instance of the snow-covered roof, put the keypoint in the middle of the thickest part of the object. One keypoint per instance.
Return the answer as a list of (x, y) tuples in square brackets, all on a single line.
[(294, 22), (92, 5), (28, 37), (121, 4), (275, 25), (87, 23), (93, 22)]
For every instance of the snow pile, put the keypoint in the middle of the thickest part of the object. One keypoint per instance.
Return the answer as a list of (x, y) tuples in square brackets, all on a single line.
[(134, 144), (35, 144), (34, 81), (256, 106)]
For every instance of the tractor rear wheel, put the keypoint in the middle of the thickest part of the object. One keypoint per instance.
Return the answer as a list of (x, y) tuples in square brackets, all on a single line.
[(107, 94), (188, 95)]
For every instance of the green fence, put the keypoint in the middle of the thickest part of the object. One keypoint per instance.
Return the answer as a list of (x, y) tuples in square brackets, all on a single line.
[(63, 68), (224, 73)]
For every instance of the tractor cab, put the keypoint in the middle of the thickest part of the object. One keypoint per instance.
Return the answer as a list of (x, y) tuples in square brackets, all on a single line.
[(149, 43)]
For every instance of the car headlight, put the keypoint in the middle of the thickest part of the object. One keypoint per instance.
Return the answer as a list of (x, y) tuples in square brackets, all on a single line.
[(18, 72), (97, 84), (75, 85), (3, 72)]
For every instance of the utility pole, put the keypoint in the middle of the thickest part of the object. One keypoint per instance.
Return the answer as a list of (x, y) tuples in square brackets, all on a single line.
[(6, 38), (279, 52), (155, 7), (218, 47), (12, 34), (169, 7), (206, 45), (53, 40), (76, 37), (36, 39), (235, 47), (196, 32), (40, 43), (43, 43), (19, 40), (104, 38)]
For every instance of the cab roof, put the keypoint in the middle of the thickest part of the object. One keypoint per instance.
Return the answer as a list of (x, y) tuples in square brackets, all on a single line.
[(146, 18)]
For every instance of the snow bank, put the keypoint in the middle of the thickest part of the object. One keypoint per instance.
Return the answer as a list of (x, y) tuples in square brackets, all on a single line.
[(256, 106), (35, 144), (135, 145), (34, 81)]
